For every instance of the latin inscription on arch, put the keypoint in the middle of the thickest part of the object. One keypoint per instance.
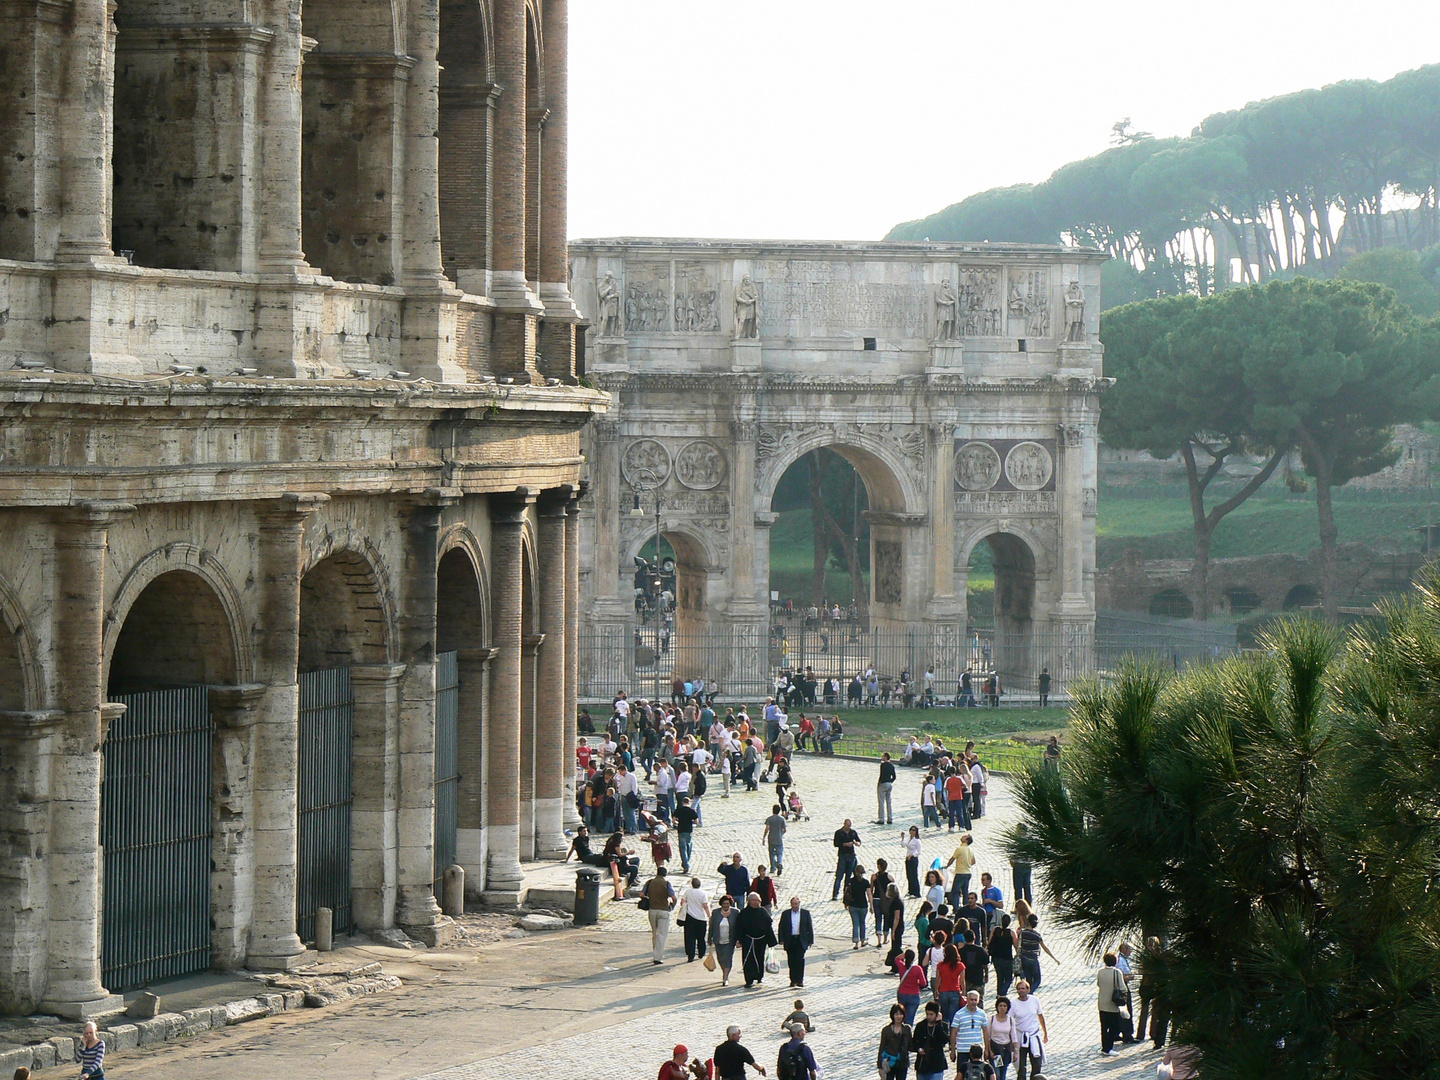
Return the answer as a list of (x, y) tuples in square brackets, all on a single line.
[(811, 297)]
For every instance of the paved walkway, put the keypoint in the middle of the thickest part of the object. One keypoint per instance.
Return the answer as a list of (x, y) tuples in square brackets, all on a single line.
[(846, 993), (588, 1002)]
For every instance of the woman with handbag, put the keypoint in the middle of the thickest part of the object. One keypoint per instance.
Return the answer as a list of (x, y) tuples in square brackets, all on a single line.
[(1002, 1035), (892, 1060), (1112, 998), (723, 936)]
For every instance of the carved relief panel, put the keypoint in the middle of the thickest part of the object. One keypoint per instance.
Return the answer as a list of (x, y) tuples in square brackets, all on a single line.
[(697, 298), (647, 298), (889, 572), (980, 311), (1029, 302), (992, 475)]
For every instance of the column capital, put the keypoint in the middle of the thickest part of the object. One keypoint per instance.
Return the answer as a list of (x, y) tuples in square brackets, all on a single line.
[(27, 726), (91, 515), (530, 644), (482, 655), (236, 708), (555, 502), (508, 508), (289, 510), (382, 674)]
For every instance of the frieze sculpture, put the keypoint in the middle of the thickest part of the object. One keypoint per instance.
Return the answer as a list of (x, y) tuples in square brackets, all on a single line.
[(608, 292), (980, 303), (1075, 311), (977, 466), (645, 463), (1029, 302), (947, 302), (747, 325), (647, 308), (1028, 466), (700, 465), (696, 311)]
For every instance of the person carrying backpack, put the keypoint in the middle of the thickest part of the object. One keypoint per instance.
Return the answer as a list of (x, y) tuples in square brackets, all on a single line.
[(796, 1061), (975, 1067)]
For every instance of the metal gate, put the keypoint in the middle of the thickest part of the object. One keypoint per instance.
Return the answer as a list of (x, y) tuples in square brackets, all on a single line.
[(155, 834), (447, 762), (327, 727)]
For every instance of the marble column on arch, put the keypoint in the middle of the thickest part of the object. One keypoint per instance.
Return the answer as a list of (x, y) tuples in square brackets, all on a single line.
[(570, 704), (274, 944), (503, 876), (418, 911), (375, 791), (72, 983)]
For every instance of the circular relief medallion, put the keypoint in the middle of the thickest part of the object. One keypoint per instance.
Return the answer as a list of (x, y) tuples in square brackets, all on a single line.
[(700, 465), (645, 463), (977, 466), (1028, 466)]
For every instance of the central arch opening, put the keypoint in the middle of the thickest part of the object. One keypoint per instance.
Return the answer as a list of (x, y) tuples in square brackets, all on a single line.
[(1001, 605), (820, 541)]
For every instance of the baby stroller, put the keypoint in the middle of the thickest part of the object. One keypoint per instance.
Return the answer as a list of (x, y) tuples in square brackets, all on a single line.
[(796, 808)]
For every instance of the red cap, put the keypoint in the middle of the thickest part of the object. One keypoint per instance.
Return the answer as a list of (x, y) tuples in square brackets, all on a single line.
[(681, 1051)]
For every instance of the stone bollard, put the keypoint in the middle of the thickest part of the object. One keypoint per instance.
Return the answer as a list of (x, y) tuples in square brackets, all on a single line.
[(324, 929), (452, 902)]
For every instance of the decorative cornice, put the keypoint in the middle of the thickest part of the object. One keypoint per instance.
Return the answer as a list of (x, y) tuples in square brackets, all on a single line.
[(637, 383)]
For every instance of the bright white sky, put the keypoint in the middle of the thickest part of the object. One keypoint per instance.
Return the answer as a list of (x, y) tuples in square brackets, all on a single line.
[(835, 119)]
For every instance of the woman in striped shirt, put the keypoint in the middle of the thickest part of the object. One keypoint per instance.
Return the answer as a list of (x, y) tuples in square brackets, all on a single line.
[(91, 1054)]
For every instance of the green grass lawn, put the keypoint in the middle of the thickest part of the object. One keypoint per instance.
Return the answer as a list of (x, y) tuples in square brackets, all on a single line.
[(1156, 520)]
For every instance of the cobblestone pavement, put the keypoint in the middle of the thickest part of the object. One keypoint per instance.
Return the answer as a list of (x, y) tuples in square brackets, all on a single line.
[(846, 992)]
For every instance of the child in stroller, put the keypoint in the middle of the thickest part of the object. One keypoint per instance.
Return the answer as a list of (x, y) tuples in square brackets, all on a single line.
[(796, 807)]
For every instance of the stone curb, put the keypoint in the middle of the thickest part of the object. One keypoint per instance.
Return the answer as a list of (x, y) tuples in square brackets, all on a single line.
[(287, 992)]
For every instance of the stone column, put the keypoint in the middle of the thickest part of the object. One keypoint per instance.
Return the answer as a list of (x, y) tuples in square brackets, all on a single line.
[(554, 257), (746, 587), (474, 665), (25, 745), (550, 751), (375, 787), (608, 601), (73, 987), (511, 122), (503, 876), (944, 605), (570, 704), (281, 119), (86, 113), (529, 652), (232, 853), (421, 250), (419, 913), (274, 944), (1070, 496)]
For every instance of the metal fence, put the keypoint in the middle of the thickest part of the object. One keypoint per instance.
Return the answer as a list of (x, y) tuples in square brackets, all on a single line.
[(447, 763), (155, 833), (323, 791), (744, 660)]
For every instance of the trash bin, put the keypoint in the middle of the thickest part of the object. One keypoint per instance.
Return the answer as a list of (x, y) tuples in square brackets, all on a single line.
[(587, 896)]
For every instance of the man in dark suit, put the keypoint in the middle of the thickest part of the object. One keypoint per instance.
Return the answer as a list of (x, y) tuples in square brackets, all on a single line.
[(796, 935)]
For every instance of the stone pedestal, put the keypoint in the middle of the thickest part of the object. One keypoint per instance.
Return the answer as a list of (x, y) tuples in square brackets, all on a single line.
[(746, 354), (611, 354), (1077, 360), (946, 358)]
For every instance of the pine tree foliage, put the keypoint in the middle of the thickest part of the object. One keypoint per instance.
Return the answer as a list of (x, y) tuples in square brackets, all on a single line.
[(1275, 820)]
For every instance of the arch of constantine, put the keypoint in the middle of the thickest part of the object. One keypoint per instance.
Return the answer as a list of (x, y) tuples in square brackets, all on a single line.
[(961, 381)]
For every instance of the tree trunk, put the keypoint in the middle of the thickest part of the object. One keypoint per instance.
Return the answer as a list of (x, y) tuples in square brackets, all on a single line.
[(820, 535), (1329, 584)]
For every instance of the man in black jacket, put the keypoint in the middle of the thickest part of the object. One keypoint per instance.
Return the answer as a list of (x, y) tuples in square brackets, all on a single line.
[(796, 935), (884, 812), (846, 841)]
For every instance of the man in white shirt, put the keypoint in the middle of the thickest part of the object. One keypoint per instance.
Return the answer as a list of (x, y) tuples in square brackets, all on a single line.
[(701, 757), (977, 789), (627, 791), (682, 782), (622, 706), (1031, 1034), (695, 904), (664, 789)]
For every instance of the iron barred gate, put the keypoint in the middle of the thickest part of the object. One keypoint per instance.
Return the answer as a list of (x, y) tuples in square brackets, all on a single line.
[(155, 832), (447, 762), (327, 728)]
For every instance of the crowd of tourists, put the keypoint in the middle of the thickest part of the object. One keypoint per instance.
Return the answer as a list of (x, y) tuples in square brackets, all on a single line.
[(968, 964)]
